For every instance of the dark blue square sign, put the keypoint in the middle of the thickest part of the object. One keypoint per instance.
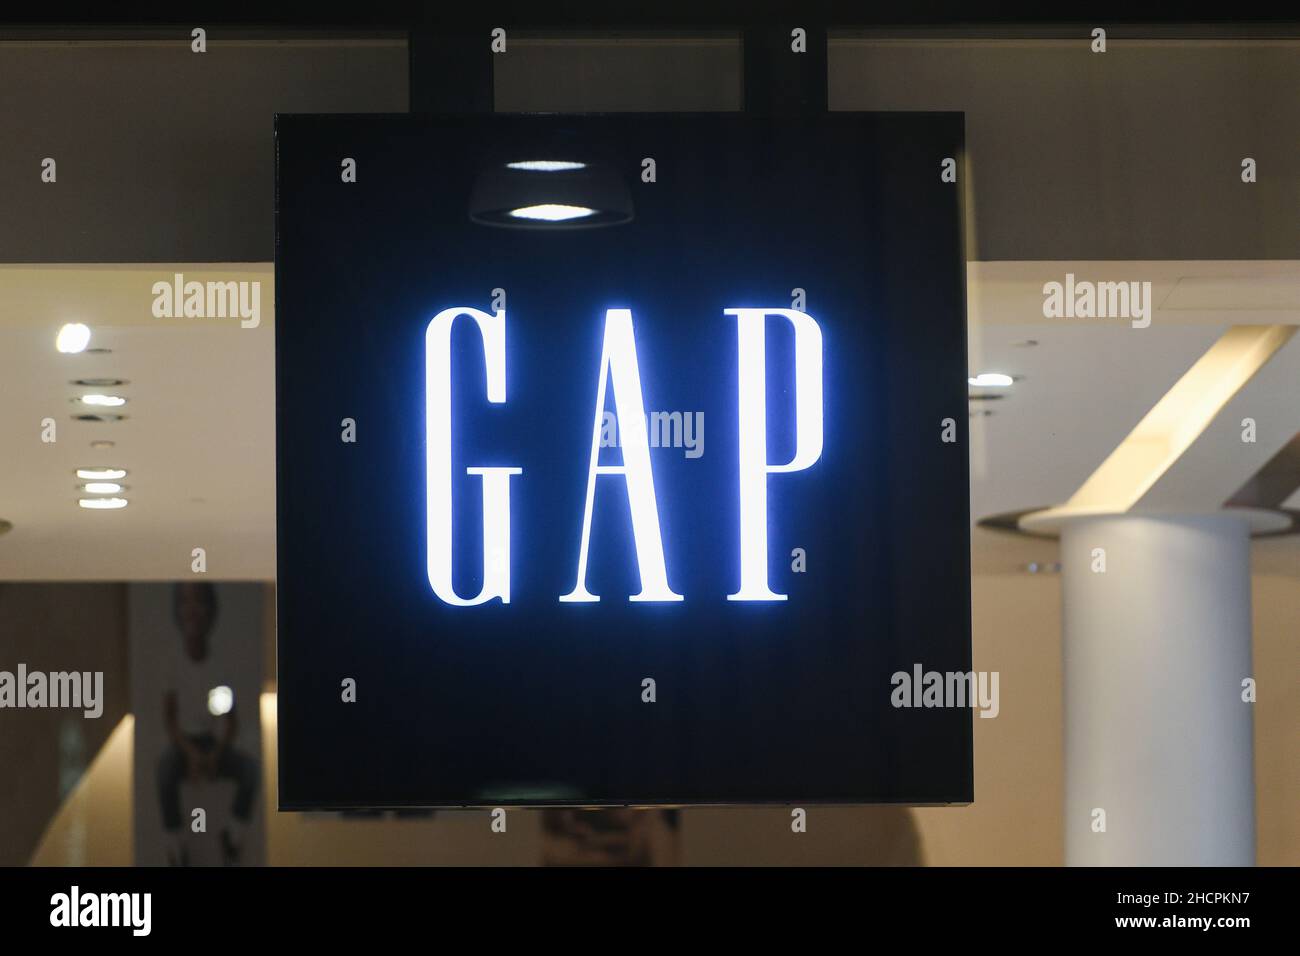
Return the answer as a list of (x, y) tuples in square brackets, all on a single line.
[(622, 459)]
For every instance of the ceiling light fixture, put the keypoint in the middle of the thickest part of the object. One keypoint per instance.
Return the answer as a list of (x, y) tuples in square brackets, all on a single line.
[(72, 338), (100, 473), (552, 212), (101, 445), (105, 401), (102, 504), (550, 194), (990, 380), (99, 382), (102, 488), (546, 165)]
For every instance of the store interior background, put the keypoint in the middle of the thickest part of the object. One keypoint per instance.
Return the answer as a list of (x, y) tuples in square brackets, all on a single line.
[(1124, 165)]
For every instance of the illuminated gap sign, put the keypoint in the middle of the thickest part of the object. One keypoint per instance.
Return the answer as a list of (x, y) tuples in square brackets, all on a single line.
[(619, 368), (531, 601)]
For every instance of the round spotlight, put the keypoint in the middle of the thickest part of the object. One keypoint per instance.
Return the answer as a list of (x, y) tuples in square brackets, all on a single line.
[(101, 474), (103, 401), (102, 488), (72, 338), (990, 380), (546, 165), (102, 504), (220, 701)]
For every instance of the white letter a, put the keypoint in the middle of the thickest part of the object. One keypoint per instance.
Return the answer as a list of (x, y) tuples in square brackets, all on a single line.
[(618, 363)]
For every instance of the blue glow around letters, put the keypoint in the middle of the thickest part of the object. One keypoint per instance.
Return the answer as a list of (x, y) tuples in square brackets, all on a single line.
[(619, 369)]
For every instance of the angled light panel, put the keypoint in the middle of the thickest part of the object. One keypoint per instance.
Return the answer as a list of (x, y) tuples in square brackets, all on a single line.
[(1171, 426)]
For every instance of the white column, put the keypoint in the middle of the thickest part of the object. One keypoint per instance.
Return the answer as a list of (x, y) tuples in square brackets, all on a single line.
[(1156, 732)]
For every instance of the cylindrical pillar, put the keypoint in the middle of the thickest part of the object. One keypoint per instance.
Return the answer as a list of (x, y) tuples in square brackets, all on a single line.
[(1157, 737)]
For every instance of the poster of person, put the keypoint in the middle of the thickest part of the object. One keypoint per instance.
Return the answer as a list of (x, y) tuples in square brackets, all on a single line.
[(196, 661)]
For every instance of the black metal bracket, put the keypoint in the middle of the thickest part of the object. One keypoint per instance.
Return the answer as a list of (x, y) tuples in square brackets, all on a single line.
[(780, 81), (784, 70), (450, 68)]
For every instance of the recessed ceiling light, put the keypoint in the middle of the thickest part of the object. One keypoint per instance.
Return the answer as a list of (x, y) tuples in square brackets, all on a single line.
[(102, 504), (102, 488), (101, 445), (99, 417), (105, 401), (72, 338), (100, 473), (990, 380), (99, 382), (547, 165), (552, 212)]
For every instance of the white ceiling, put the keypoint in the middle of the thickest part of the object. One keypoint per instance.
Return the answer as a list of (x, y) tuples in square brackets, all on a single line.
[(199, 440)]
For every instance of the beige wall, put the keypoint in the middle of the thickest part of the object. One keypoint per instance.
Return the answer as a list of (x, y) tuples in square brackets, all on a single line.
[(54, 627), (1277, 719), (93, 826), (1016, 817)]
